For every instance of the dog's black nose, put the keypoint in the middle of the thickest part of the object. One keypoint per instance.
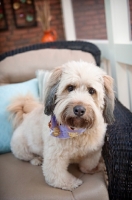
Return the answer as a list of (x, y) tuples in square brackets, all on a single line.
[(79, 110)]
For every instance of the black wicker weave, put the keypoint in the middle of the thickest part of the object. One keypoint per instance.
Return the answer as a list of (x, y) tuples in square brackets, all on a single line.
[(117, 151)]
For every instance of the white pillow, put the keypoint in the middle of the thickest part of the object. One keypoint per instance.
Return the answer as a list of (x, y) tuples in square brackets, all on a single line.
[(43, 77)]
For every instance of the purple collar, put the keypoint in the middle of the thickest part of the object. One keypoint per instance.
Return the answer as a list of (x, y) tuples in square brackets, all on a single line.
[(62, 131)]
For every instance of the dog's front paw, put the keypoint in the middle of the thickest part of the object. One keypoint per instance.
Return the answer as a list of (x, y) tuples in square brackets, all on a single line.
[(36, 161), (67, 182), (72, 185)]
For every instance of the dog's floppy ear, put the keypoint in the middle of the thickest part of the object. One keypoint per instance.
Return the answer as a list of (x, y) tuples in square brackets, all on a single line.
[(51, 90), (109, 100)]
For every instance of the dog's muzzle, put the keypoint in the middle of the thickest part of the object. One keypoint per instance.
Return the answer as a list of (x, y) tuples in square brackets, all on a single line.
[(80, 117)]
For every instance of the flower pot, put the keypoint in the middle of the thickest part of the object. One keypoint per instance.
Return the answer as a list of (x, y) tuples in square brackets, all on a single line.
[(49, 36)]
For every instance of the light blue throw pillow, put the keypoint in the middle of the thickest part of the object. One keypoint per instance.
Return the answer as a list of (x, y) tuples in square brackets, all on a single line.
[(7, 92)]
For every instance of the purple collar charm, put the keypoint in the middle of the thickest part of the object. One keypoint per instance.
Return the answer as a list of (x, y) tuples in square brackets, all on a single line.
[(62, 131)]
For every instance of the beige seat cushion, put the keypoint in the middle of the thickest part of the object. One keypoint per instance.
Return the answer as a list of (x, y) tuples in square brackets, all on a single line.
[(20, 180), (22, 67)]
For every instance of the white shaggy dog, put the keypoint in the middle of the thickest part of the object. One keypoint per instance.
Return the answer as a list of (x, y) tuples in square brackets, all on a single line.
[(79, 104)]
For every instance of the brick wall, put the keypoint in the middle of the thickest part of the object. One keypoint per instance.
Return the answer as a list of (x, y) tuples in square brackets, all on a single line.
[(89, 16), (15, 38)]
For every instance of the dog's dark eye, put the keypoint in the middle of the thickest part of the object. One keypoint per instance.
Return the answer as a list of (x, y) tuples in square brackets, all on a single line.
[(70, 88), (91, 91)]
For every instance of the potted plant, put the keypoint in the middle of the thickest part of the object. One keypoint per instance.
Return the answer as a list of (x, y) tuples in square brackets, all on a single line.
[(44, 17)]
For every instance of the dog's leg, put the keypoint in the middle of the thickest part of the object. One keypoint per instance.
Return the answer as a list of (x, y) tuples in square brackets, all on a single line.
[(20, 149), (92, 163), (24, 154), (56, 174)]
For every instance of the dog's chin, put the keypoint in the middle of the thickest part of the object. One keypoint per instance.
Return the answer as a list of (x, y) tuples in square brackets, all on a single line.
[(78, 122)]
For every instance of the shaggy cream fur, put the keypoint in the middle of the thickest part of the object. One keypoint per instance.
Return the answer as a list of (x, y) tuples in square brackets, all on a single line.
[(73, 84)]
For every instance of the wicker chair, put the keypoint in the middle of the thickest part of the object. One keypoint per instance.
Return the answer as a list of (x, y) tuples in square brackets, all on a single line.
[(117, 151)]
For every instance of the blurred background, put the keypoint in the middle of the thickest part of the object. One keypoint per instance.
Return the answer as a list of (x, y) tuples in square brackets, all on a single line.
[(88, 15), (106, 23)]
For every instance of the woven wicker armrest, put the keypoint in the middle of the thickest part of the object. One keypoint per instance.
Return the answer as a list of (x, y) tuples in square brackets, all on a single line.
[(117, 153), (73, 45)]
